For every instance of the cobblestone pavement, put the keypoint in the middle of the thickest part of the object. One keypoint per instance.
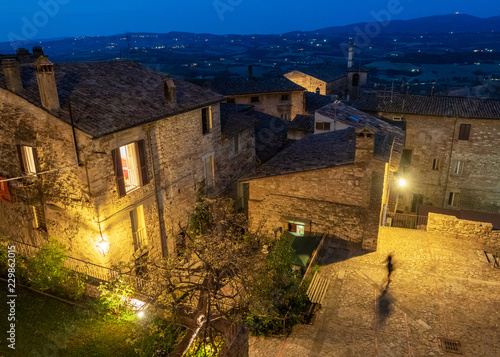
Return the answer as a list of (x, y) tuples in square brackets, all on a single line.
[(440, 288)]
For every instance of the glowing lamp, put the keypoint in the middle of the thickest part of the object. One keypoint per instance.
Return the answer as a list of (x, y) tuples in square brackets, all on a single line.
[(102, 246), (402, 182), (140, 314)]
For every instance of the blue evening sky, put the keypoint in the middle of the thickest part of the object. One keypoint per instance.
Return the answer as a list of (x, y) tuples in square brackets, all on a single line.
[(34, 19)]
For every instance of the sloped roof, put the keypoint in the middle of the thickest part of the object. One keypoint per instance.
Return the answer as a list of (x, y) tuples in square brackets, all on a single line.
[(313, 152), (303, 122), (385, 133), (235, 118), (107, 97), (315, 101), (244, 85), (459, 107)]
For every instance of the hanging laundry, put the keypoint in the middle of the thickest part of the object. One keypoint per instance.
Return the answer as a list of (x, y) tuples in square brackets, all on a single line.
[(4, 190)]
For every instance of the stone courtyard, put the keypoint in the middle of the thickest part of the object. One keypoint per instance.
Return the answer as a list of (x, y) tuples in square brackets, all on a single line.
[(441, 288)]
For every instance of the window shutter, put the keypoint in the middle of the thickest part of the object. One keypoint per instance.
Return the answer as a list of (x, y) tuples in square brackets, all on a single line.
[(35, 157), (21, 161), (143, 162), (120, 182)]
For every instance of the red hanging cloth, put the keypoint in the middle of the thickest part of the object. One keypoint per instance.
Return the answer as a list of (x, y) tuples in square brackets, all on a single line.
[(4, 190)]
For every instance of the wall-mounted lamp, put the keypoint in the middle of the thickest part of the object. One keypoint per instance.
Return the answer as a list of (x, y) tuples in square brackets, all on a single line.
[(402, 182), (102, 246)]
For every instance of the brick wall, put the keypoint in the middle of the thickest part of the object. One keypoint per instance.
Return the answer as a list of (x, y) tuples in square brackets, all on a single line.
[(463, 229)]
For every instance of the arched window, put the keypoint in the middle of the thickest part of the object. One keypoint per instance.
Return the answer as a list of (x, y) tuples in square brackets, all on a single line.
[(318, 91), (355, 80)]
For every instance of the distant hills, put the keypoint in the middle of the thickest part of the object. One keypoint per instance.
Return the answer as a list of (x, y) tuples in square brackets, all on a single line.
[(432, 24)]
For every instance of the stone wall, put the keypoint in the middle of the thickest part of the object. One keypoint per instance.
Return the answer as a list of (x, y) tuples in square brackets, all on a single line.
[(308, 82), (430, 138), (81, 203), (343, 201), (271, 103), (463, 229)]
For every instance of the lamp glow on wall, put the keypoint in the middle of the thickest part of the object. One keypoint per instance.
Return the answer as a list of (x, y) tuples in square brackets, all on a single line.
[(402, 182), (102, 246)]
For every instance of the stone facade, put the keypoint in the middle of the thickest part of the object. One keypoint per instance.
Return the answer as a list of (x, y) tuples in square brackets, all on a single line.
[(432, 173), (342, 201), (451, 226), (310, 83), (81, 204), (272, 103)]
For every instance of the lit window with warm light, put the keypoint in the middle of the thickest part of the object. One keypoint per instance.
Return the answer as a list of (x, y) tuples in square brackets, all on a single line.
[(129, 166)]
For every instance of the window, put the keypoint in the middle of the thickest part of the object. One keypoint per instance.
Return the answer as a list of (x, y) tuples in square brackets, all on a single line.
[(406, 158), (206, 119), (38, 218), (458, 167), (28, 159), (355, 80), (322, 126), (285, 97), (231, 100), (236, 143), (318, 90), (254, 99), (130, 167), (435, 164), (285, 116), (453, 199), (397, 118), (297, 229), (464, 132), (138, 227), (208, 163)]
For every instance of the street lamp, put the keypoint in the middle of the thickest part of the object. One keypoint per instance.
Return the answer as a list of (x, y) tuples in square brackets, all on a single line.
[(402, 182)]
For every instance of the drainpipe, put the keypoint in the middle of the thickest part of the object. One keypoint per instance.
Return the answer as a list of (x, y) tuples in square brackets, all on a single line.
[(449, 163)]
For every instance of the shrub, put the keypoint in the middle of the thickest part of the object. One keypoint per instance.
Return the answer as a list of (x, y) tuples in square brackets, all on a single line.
[(114, 296)]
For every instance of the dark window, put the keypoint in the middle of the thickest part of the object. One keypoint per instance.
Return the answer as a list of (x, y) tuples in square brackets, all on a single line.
[(285, 97), (464, 132), (416, 202), (322, 126), (130, 165), (206, 119), (406, 158), (285, 116), (435, 164), (355, 80), (453, 199), (231, 100), (318, 90), (254, 99)]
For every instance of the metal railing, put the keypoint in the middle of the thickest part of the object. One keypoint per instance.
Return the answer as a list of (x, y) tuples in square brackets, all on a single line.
[(408, 221), (90, 269), (140, 238)]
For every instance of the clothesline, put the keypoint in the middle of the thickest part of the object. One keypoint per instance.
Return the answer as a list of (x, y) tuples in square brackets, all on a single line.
[(38, 173)]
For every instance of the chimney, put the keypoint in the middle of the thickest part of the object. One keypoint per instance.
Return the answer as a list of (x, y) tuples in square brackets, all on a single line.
[(250, 72), (47, 83), (37, 51), (350, 57), (12, 75), (365, 142), (170, 91)]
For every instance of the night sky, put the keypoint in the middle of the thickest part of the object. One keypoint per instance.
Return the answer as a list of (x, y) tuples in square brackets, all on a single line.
[(31, 19)]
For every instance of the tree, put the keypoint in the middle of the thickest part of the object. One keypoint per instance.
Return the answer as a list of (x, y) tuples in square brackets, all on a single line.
[(224, 276)]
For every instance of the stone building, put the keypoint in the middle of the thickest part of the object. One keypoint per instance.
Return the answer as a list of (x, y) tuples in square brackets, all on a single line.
[(452, 155), (107, 157), (334, 182), (330, 80), (276, 96)]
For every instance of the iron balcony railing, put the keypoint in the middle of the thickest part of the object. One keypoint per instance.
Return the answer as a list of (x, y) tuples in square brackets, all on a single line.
[(408, 221), (90, 269)]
